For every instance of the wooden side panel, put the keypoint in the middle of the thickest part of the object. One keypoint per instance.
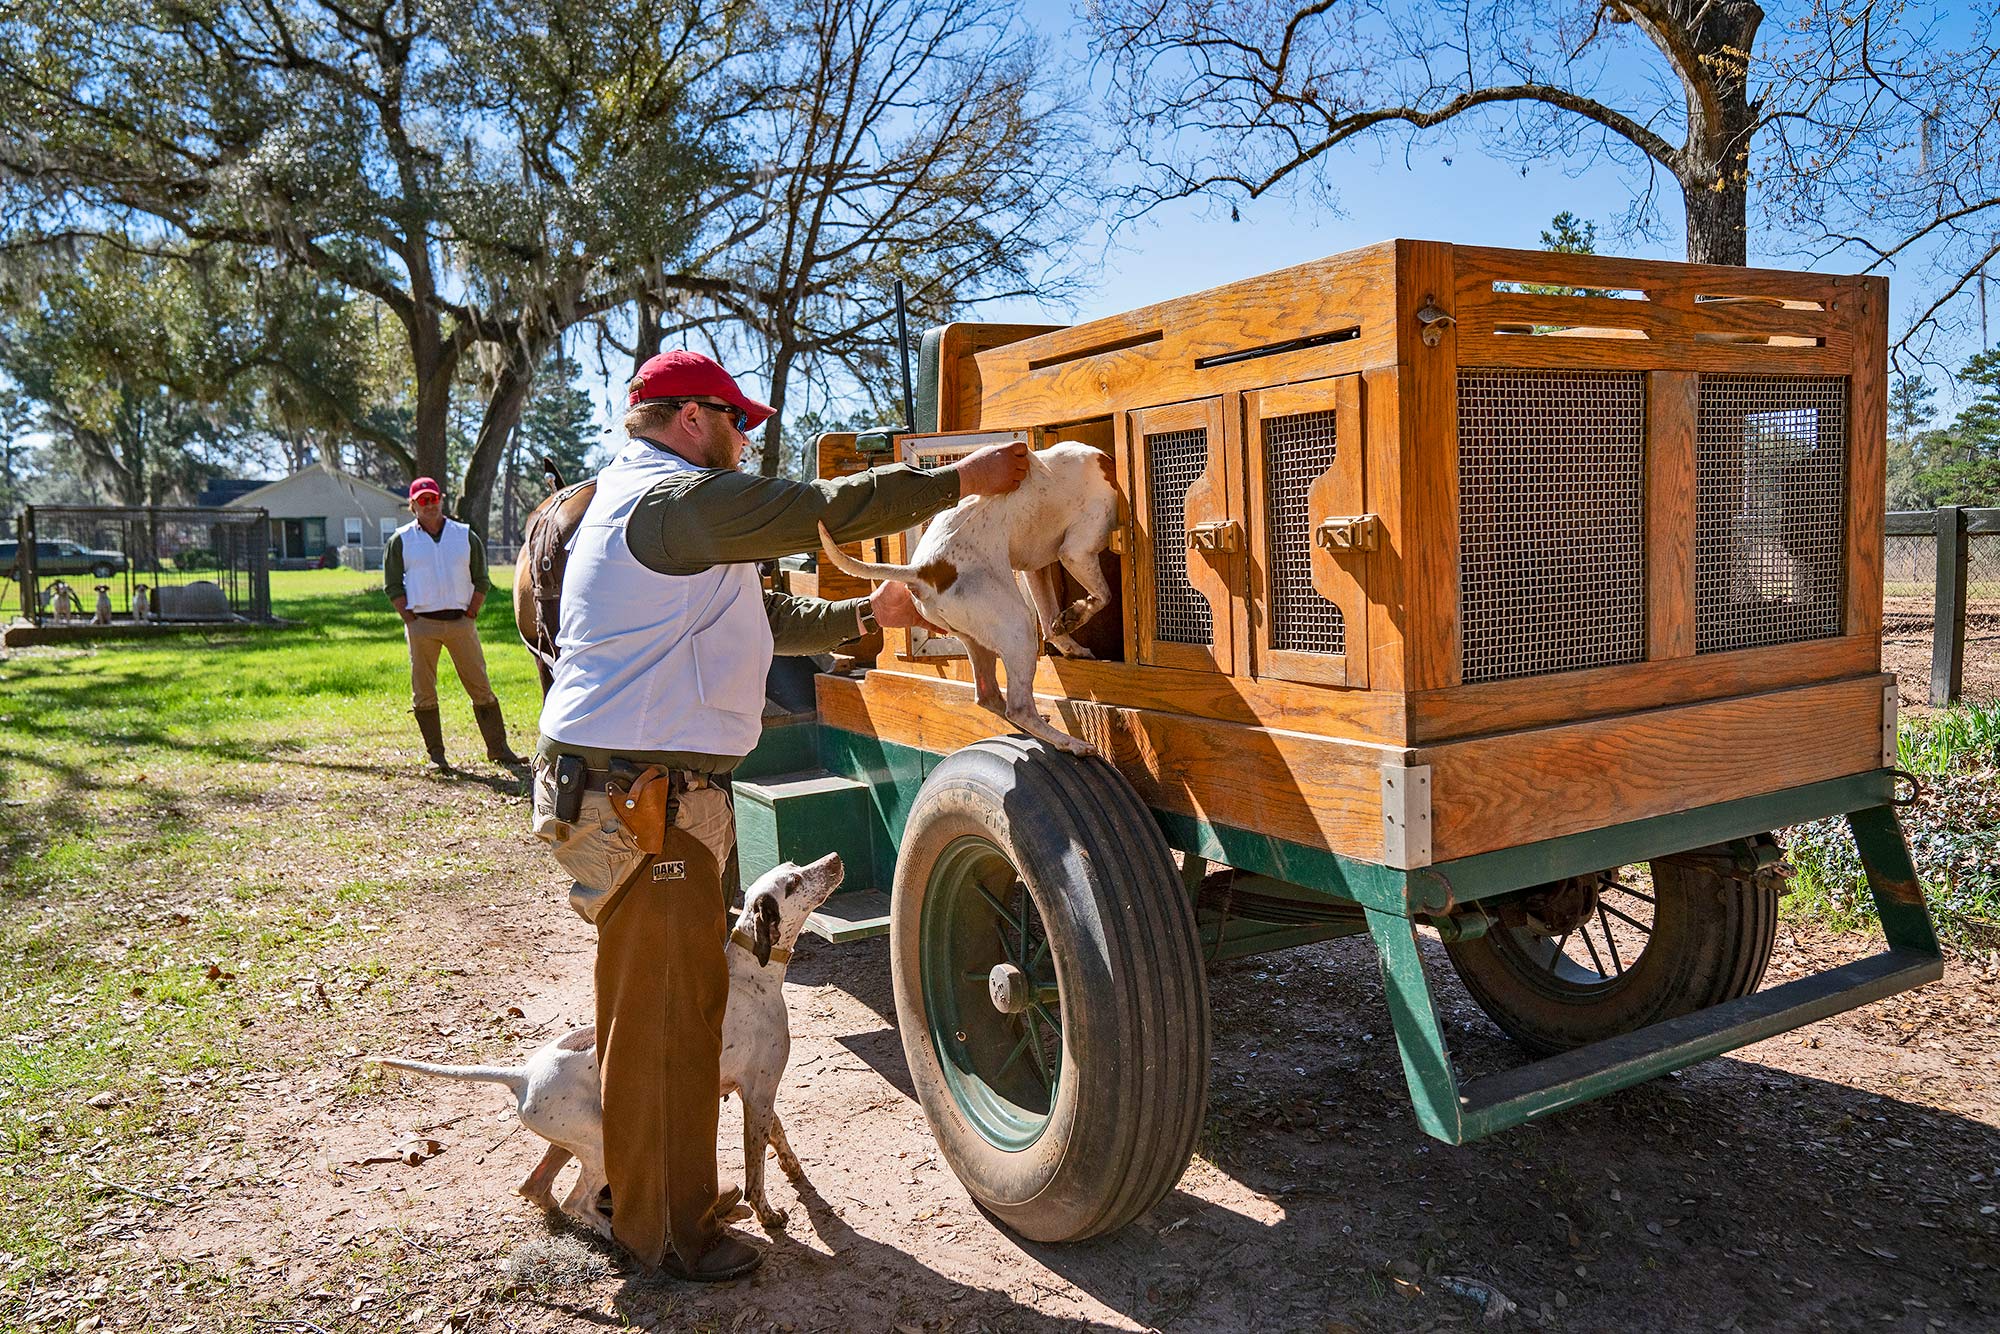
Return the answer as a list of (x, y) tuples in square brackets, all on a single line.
[(1498, 706), (1155, 354), (1866, 460), (1521, 787), (1381, 424), (959, 385), (1210, 499), (1685, 317), (1304, 789), (1429, 467), (1672, 408)]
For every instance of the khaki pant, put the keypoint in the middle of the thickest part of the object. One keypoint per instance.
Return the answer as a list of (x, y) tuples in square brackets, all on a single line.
[(461, 636), (662, 988)]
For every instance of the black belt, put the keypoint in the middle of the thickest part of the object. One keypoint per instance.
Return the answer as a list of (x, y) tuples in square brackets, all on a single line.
[(596, 779), (458, 615)]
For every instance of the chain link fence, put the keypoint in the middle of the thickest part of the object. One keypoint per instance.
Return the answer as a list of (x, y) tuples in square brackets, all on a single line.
[(1910, 603), (111, 566)]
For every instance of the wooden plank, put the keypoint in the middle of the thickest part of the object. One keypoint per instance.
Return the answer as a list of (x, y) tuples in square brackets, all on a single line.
[(1923, 523), (1672, 409), (1497, 706), (1867, 454), (1485, 309), (839, 457), (1518, 787), (1149, 356), (1489, 264), (1372, 716), (1948, 611), (1381, 425), (1428, 468), (1304, 789)]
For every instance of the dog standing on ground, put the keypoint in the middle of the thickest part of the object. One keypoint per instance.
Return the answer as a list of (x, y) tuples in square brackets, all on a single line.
[(142, 603), (963, 574), (103, 616), (556, 1089)]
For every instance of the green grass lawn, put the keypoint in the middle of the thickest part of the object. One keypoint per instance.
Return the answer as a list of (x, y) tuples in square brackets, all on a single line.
[(189, 825)]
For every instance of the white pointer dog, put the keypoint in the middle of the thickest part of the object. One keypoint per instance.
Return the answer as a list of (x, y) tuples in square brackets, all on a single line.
[(556, 1089), (962, 574)]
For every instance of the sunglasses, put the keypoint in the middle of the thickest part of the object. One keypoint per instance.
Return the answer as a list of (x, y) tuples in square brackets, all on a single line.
[(737, 416)]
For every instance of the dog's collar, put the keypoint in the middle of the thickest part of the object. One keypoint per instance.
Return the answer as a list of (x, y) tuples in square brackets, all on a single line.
[(749, 942)]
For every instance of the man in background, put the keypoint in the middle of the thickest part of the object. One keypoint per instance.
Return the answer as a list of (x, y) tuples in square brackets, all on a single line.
[(434, 571)]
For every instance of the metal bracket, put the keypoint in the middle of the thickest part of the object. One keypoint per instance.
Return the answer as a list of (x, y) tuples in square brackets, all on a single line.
[(1435, 320), (1406, 816), (1889, 725), (1354, 532), (1223, 535)]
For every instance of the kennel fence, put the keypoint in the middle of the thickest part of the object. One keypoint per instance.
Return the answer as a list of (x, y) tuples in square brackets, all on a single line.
[(196, 564)]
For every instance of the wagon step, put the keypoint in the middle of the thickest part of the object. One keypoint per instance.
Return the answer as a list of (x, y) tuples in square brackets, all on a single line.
[(805, 815), (1516, 1095)]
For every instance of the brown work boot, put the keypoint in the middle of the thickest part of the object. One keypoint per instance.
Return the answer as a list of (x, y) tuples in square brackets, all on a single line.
[(433, 733), (729, 1259), (493, 728)]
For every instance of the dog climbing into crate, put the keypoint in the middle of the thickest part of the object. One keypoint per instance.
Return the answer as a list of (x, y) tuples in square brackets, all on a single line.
[(971, 562)]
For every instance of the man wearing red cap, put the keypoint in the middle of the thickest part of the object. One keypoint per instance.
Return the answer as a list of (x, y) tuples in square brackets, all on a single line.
[(666, 636), (434, 571)]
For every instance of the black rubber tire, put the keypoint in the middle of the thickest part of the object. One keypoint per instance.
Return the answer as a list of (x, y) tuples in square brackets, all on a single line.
[(1712, 937), (103, 571), (1133, 1086)]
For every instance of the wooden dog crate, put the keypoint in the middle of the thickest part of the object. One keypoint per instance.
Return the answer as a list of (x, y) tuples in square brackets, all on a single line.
[(1453, 583)]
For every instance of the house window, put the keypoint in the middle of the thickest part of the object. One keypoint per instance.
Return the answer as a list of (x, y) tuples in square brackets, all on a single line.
[(389, 527), (352, 537)]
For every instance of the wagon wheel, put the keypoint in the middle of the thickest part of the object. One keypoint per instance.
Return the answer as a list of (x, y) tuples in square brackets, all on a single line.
[(1049, 988), (1595, 956)]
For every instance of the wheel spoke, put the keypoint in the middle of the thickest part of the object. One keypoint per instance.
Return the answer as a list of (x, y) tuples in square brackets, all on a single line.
[(1624, 888), (1556, 955), (1629, 921), (1041, 1008), (1033, 1040), (1596, 962), (1027, 1040), (1005, 914), (1609, 943)]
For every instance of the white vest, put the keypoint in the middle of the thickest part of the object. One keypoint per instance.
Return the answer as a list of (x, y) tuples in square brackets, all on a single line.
[(437, 576), (652, 661)]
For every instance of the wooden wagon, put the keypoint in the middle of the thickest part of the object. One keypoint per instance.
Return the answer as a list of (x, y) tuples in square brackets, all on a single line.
[(1510, 595)]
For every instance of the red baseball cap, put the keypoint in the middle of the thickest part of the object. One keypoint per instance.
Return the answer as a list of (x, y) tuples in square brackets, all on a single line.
[(426, 486), (685, 374)]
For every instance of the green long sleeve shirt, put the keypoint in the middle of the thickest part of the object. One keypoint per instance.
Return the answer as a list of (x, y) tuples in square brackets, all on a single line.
[(694, 520), (392, 562)]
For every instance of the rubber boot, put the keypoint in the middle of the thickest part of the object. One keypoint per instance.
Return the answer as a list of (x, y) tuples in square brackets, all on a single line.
[(494, 729), (433, 731)]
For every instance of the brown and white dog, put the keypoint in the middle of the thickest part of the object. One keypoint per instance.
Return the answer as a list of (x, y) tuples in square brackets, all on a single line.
[(556, 1089), (963, 578), (63, 601), (103, 616)]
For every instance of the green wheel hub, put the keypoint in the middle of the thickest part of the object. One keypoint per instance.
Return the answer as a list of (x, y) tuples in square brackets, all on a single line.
[(990, 993)]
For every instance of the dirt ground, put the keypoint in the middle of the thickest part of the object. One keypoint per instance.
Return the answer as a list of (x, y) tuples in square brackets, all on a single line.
[(1843, 1177), (1907, 625)]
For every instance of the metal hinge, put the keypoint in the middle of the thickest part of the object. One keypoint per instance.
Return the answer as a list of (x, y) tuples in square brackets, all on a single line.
[(1353, 532), (1224, 535), (1889, 725), (1406, 816), (1435, 320)]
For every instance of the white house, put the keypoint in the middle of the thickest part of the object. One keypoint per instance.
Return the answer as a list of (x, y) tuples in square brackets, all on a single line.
[(319, 507)]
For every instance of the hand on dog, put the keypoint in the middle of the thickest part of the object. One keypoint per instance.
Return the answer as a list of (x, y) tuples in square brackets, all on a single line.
[(895, 609), (992, 471)]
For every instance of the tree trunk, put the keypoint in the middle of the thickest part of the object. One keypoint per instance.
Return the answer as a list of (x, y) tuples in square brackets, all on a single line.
[(507, 505), (503, 414), (1718, 219), (772, 461), (434, 364), (646, 341)]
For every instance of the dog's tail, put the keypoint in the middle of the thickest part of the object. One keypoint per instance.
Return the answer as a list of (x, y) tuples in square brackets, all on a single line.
[(923, 580), (514, 1078)]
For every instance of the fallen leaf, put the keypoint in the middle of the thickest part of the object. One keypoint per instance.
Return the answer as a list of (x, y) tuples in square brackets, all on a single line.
[(104, 1099)]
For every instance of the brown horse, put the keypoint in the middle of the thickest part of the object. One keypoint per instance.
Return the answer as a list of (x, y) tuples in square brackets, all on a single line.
[(538, 572)]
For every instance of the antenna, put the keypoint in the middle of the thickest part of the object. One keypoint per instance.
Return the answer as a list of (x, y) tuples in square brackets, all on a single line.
[(903, 347)]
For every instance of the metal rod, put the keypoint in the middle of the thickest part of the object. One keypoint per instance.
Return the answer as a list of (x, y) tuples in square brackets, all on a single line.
[(903, 348)]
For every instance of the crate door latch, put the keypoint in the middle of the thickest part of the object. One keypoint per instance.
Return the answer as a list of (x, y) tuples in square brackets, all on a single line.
[(1350, 532), (1222, 535)]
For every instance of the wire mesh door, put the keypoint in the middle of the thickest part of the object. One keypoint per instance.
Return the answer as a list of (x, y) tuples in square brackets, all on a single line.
[(1309, 534), (1190, 541)]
